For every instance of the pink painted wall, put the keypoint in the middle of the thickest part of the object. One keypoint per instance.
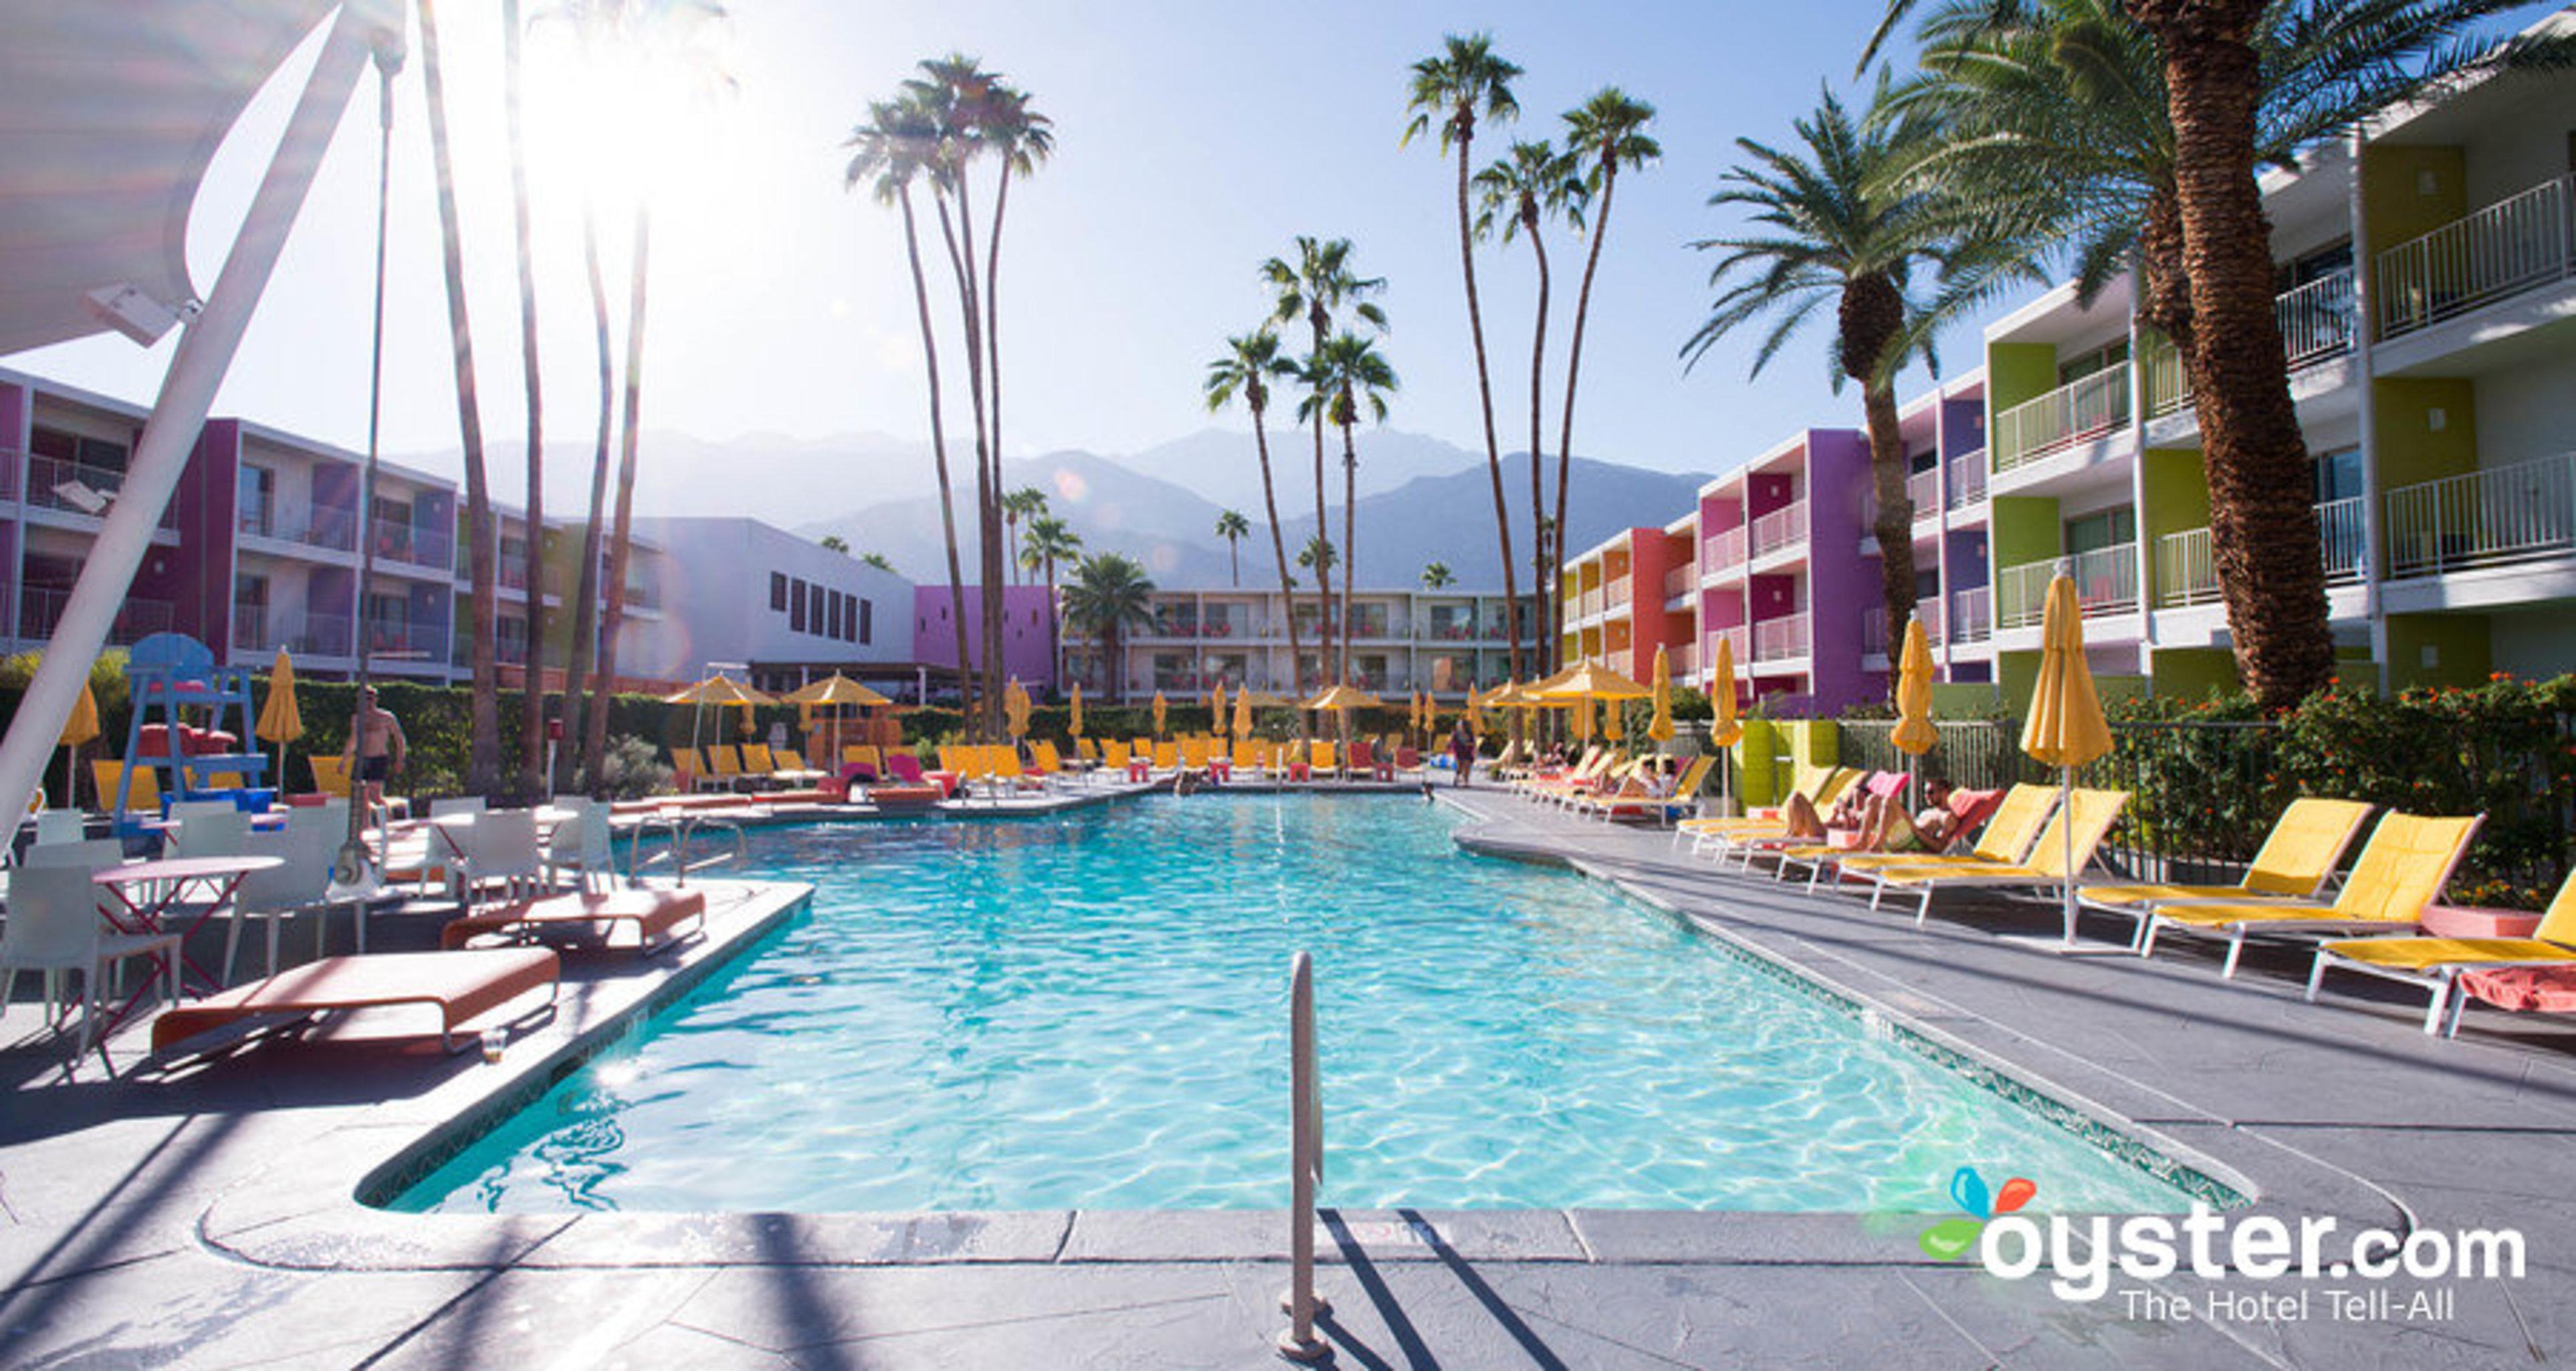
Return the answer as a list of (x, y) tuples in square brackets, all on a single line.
[(1027, 643)]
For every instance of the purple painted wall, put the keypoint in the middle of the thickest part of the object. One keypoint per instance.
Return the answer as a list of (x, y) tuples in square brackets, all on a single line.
[(1027, 647), (199, 579), (1841, 585)]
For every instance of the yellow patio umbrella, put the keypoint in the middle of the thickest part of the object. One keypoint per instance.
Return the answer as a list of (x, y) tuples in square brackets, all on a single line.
[(1262, 700), (1344, 697), (1159, 708), (2065, 728), (721, 691), (1661, 729), (280, 722), (1242, 715), (1216, 707), (835, 691), (1075, 723), (1614, 723), (1475, 711), (1914, 734), (78, 729), (1589, 681), (1015, 708), (1724, 730)]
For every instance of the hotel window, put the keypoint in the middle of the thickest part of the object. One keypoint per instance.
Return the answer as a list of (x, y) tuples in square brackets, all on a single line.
[(2110, 528), (840, 607), (864, 626), (796, 606), (778, 591), (2338, 474), (2084, 364), (255, 499)]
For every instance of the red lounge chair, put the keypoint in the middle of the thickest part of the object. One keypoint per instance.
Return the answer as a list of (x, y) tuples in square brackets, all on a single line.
[(904, 796), (589, 919), (462, 986)]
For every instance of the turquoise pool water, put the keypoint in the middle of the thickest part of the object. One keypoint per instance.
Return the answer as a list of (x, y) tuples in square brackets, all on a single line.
[(1089, 1011)]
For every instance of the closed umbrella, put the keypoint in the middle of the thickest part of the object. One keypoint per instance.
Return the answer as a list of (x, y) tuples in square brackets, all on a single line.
[(280, 722), (1614, 721), (1159, 708), (1216, 708), (1075, 723), (1914, 734), (1015, 709), (78, 729), (1475, 711), (1242, 715), (2066, 728), (1661, 729), (1724, 730)]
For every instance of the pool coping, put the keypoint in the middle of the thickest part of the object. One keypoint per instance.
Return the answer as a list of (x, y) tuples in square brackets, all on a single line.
[(305, 1210)]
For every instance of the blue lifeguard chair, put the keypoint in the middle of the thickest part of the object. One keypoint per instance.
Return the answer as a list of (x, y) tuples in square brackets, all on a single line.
[(169, 672)]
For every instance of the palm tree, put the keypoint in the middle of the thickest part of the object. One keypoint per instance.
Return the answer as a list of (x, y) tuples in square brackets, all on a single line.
[(2065, 115), (532, 704), (1348, 376), (877, 560), (1522, 190), (1449, 90), (1838, 229), (1250, 362), (1051, 540), (1435, 576), (1318, 557), (1602, 134), (894, 147), (1020, 138), (833, 542), (667, 33), (1313, 288), (483, 756), (1028, 502), (1233, 528), (1108, 595)]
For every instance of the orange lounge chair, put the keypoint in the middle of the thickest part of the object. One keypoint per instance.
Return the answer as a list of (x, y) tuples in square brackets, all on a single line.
[(588, 919), (462, 986)]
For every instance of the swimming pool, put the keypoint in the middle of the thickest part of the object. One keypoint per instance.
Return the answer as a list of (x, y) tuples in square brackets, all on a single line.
[(1088, 1011)]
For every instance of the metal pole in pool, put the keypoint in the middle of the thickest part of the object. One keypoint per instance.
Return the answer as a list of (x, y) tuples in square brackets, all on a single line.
[(1305, 1169)]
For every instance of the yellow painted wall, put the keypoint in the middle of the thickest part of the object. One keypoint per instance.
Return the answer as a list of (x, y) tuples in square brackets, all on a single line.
[(2024, 528), (2016, 372), (2194, 673), (2410, 448), (1757, 782), (2460, 644), (2395, 181), (1966, 699), (2177, 491), (2017, 675)]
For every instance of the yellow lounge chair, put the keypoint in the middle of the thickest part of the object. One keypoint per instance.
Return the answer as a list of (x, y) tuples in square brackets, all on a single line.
[(1611, 778), (2064, 849), (2305, 844), (757, 765), (1685, 792), (1594, 758), (2402, 869), (1194, 754), (727, 770), (1324, 759), (1827, 788), (2007, 839), (330, 775), (1086, 750), (146, 798), (862, 752), (2437, 963), (1114, 755), (1167, 757)]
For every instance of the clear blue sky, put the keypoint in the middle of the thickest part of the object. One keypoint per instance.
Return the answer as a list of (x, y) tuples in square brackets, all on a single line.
[(1194, 140)]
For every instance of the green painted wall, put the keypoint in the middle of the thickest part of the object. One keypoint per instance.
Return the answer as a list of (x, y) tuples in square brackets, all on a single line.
[(2460, 644), (1757, 781), (2177, 492), (2194, 673), (2395, 205), (1966, 699), (2016, 372), (2025, 528), (2017, 675), (2410, 448)]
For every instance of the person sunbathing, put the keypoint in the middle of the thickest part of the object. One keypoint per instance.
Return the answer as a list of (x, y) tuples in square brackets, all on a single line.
[(1805, 821), (1886, 827)]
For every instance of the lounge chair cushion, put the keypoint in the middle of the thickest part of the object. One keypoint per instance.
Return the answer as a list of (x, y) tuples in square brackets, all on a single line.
[(2548, 989), (656, 914), (462, 985)]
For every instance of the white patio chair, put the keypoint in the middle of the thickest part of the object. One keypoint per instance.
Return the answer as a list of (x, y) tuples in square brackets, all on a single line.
[(281, 892), (501, 847), (54, 927), (580, 845), (61, 826)]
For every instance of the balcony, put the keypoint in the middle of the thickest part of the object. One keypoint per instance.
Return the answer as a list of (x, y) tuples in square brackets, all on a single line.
[(2186, 574), (2496, 517), (2344, 542), (40, 609), (1970, 618), (2316, 322), (1615, 594), (1683, 658), (2106, 582), (1967, 478), (334, 529), (1778, 529), (258, 629), (2506, 248), (1782, 639), (1739, 641), (10, 461), (1681, 580), (1589, 604), (1874, 639), (1922, 491), (1722, 549), (2086, 408), (421, 547), (77, 488), (406, 639)]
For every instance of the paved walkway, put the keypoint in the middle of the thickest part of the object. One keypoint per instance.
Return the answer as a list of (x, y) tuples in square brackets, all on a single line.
[(205, 1219)]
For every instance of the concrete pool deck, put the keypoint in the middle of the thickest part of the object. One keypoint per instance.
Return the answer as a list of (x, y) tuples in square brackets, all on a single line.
[(208, 1218)]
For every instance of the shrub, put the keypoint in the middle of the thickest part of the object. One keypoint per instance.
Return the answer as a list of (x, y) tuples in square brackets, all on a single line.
[(632, 770)]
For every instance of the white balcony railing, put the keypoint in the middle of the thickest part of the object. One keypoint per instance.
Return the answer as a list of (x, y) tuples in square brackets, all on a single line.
[(40, 609), (2344, 542), (1681, 580), (1922, 491), (1967, 478), (1725, 548), (1875, 639), (2084, 408), (2167, 391), (1782, 639), (2185, 575), (1615, 593), (2502, 515), (1779, 528), (1971, 620), (2106, 582), (1739, 641), (2316, 319), (2500, 250)]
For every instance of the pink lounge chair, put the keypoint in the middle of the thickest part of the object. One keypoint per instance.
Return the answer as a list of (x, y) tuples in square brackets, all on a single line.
[(587, 919), (461, 986)]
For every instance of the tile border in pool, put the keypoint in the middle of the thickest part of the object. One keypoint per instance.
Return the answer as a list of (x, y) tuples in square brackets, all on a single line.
[(304, 1211)]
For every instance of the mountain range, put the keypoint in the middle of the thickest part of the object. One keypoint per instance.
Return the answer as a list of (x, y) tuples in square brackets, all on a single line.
[(1420, 499)]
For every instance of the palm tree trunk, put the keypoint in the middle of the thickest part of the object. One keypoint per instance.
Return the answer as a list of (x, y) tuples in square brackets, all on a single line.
[(1485, 394), (1573, 373), (1234, 560), (993, 338), (938, 441), (585, 604), (988, 488), (630, 443), (2262, 521), (532, 698), (1278, 543), (1323, 532), (1350, 545), (1895, 522), (483, 757), (1540, 573)]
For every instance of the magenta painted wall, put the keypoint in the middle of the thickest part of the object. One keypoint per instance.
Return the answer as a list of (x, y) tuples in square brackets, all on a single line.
[(1027, 649), (1841, 584), (200, 577)]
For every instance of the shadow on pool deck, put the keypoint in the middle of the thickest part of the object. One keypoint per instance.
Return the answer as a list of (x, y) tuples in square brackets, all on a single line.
[(206, 1217)]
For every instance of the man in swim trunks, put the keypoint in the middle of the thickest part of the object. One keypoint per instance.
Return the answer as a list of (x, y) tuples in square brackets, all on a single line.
[(376, 748)]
